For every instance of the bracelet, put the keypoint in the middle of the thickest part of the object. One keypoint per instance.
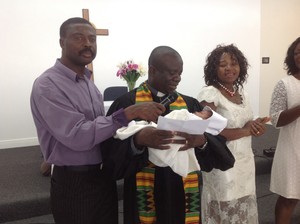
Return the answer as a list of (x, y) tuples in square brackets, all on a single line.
[(202, 148)]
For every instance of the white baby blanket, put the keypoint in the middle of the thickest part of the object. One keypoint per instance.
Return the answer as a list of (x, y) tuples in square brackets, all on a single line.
[(181, 162)]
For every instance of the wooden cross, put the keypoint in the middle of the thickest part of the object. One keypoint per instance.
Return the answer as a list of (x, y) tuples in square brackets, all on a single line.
[(100, 32)]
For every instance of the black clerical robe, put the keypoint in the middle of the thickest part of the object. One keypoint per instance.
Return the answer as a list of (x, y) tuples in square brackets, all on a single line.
[(168, 186)]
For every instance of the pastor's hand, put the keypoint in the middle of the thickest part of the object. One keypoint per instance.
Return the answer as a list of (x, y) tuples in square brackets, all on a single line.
[(154, 138), (191, 141)]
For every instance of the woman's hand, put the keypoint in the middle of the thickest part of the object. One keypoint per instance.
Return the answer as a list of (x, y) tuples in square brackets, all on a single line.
[(258, 126)]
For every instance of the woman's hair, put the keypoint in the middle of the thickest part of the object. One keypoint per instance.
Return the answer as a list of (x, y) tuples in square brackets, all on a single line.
[(289, 61), (213, 62)]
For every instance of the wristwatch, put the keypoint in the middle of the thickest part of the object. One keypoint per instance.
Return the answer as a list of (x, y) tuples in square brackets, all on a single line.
[(202, 148)]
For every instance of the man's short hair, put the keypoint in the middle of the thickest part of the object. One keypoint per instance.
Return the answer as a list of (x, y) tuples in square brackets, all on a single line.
[(67, 23)]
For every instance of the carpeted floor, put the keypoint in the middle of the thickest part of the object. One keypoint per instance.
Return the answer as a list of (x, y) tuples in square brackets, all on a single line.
[(24, 192), (266, 200)]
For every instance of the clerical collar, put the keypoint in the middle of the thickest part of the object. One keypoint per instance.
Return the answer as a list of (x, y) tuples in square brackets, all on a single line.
[(155, 92)]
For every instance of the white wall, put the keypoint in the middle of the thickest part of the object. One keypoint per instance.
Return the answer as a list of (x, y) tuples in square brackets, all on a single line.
[(30, 45), (279, 28)]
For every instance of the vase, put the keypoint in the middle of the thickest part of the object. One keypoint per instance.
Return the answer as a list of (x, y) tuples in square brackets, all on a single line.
[(131, 85)]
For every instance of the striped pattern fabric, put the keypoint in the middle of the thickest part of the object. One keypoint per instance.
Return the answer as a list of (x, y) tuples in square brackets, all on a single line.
[(145, 194), (146, 177), (192, 198)]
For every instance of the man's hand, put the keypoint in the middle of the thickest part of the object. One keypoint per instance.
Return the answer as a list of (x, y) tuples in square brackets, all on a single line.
[(160, 139), (154, 138), (144, 111), (190, 141)]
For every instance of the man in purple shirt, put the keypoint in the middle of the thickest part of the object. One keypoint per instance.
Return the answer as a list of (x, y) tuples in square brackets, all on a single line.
[(69, 115)]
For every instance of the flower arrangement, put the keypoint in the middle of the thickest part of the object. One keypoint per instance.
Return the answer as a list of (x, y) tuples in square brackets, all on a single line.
[(130, 72)]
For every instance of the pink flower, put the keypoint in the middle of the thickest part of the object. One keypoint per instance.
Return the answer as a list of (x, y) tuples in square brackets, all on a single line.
[(133, 67), (130, 71)]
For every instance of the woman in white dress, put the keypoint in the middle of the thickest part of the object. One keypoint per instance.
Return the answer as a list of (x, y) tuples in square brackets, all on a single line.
[(285, 113), (229, 197)]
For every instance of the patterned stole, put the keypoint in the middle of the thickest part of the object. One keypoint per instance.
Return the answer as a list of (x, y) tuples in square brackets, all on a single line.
[(146, 177)]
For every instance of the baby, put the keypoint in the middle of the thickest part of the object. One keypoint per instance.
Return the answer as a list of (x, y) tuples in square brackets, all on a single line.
[(216, 122), (204, 114), (181, 162)]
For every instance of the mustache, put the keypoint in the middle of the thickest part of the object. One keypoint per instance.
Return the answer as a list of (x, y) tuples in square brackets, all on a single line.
[(86, 50)]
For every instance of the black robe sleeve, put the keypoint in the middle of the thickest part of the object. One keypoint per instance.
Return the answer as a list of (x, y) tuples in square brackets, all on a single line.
[(216, 154), (118, 157), (119, 160)]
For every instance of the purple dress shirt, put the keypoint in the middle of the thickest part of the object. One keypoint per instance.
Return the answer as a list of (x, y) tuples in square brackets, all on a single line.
[(69, 115)]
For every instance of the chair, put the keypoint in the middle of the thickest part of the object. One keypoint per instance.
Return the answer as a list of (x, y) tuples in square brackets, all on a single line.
[(113, 92)]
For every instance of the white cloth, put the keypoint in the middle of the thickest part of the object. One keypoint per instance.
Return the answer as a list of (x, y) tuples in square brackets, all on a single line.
[(181, 162), (230, 196), (286, 164), (216, 122)]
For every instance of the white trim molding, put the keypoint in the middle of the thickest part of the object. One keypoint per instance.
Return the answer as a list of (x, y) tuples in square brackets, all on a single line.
[(15, 143)]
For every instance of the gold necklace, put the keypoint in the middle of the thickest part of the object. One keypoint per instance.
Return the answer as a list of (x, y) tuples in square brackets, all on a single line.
[(231, 93)]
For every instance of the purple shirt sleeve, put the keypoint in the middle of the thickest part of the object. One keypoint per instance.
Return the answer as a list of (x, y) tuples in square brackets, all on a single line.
[(69, 117)]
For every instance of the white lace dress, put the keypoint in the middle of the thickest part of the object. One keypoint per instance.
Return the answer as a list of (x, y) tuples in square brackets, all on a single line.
[(229, 197), (285, 173)]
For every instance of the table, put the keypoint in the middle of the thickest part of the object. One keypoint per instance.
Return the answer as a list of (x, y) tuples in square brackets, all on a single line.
[(107, 105)]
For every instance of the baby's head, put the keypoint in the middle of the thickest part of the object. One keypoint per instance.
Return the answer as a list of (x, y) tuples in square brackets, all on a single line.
[(204, 114)]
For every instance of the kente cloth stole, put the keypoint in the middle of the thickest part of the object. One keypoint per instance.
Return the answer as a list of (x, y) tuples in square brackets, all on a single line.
[(146, 177)]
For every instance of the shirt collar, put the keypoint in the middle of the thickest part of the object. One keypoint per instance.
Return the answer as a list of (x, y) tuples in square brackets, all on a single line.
[(70, 73)]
